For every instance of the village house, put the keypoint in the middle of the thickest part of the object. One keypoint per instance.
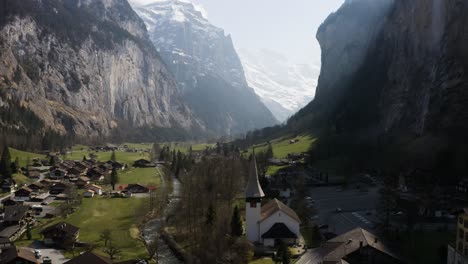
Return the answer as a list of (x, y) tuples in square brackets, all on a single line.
[(88, 194), (457, 253), (23, 194), (8, 185), (11, 232), (272, 222), (16, 215), (5, 243), (33, 173), (357, 246), (17, 255), (36, 186), (58, 188), (61, 234), (96, 189), (82, 181), (9, 202), (95, 174), (137, 188), (58, 174), (143, 163), (117, 165)]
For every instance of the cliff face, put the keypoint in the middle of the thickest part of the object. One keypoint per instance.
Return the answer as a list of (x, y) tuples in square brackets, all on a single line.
[(84, 67), (393, 67), (206, 66)]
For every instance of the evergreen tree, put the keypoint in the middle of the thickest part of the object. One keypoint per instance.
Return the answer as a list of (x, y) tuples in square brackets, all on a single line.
[(236, 223), (210, 216), (269, 151), (28, 231), (15, 168), (113, 158), (51, 161), (114, 179), (84, 158), (5, 163)]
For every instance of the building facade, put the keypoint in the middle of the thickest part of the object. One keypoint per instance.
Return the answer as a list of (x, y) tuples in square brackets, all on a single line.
[(458, 253)]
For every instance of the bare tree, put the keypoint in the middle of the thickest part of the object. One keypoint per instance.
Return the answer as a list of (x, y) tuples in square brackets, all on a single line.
[(112, 250)]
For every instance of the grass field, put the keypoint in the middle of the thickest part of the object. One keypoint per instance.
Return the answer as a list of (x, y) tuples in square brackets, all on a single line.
[(98, 214), (23, 156), (146, 176), (282, 146), (121, 156)]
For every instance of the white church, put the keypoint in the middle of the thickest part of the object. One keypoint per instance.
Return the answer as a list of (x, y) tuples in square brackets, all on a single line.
[(272, 222)]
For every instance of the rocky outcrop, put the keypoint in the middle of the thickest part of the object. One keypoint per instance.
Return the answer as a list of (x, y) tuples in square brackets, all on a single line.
[(84, 67), (206, 66)]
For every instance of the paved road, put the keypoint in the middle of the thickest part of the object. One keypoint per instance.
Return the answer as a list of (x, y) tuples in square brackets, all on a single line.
[(55, 255), (312, 256)]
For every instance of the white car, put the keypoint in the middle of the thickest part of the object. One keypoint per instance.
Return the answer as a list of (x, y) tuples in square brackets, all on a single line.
[(37, 253)]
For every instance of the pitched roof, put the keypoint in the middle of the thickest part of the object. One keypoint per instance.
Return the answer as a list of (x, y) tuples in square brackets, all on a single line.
[(10, 254), (253, 190), (15, 212), (279, 230), (350, 242), (63, 226), (9, 231), (276, 205), (89, 258)]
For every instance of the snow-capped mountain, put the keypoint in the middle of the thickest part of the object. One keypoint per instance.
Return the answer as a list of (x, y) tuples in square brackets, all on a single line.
[(283, 86), (206, 66)]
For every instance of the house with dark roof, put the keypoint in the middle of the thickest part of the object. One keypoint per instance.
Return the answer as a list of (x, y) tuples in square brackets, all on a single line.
[(16, 215), (36, 186), (89, 258), (82, 181), (357, 246), (58, 188), (5, 243), (8, 185), (61, 234), (272, 222), (143, 163), (23, 194), (137, 188), (17, 255)]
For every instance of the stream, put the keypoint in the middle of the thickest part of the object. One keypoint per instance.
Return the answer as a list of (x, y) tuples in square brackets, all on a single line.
[(152, 227)]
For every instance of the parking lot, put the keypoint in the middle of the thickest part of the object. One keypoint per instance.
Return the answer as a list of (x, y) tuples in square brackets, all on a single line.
[(343, 210)]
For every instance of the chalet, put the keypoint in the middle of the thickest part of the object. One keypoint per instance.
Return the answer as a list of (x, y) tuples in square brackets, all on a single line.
[(18, 255), (96, 189), (58, 188), (16, 215), (36, 186), (74, 171), (95, 174), (5, 243), (58, 173), (82, 166), (137, 188), (11, 232), (8, 185), (23, 194), (9, 202), (88, 194), (272, 222), (356, 246), (142, 163), (82, 181), (116, 165), (89, 257), (33, 173), (39, 197), (61, 234)]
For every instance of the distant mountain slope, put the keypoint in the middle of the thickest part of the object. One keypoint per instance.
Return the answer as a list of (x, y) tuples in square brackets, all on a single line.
[(283, 86), (206, 66), (85, 68)]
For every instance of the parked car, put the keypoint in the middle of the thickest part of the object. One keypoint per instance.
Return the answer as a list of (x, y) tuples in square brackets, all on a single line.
[(37, 253), (338, 210), (46, 260)]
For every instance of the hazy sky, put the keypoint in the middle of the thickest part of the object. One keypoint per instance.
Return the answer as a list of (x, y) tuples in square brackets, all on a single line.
[(286, 26)]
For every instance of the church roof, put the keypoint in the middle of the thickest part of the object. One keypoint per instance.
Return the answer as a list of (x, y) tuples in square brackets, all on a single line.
[(274, 206), (279, 230), (253, 190)]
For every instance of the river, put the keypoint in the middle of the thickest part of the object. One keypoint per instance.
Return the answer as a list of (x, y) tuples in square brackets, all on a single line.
[(152, 227)]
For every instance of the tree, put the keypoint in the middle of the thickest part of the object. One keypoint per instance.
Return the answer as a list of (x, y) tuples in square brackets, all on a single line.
[(269, 151), (236, 223), (15, 167), (112, 250), (51, 161), (210, 216), (28, 231), (155, 151), (105, 236), (113, 158), (5, 163), (84, 158), (114, 179), (283, 253)]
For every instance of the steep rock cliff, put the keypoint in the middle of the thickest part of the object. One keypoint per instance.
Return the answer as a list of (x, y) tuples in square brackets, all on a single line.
[(206, 66), (85, 67)]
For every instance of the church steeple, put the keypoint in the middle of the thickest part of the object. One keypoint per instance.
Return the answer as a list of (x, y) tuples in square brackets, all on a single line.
[(253, 199), (253, 190)]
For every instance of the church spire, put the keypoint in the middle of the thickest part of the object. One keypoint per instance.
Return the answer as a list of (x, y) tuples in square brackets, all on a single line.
[(253, 190)]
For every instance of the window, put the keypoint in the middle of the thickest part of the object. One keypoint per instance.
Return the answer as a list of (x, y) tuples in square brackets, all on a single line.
[(460, 233), (253, 204), (460, 220), (460, 246)]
